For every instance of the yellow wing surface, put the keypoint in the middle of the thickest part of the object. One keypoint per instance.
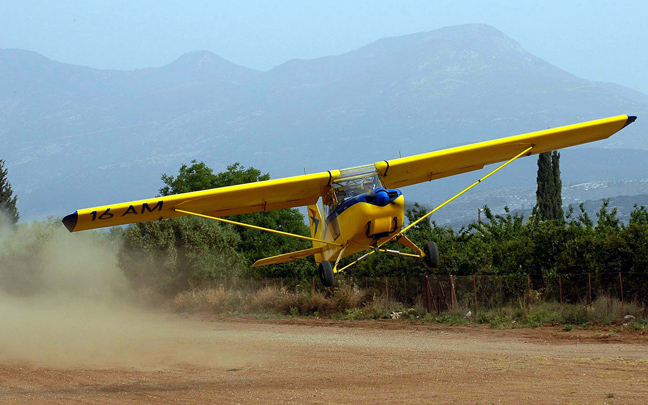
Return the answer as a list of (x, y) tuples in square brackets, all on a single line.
[(307, 189), (218, 202), (406, 171)]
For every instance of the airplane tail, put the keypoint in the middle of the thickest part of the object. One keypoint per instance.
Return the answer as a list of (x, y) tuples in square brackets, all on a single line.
[(317, 228)]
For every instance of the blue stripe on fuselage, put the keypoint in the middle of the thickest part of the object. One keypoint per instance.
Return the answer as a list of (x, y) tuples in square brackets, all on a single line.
[(357, 199)]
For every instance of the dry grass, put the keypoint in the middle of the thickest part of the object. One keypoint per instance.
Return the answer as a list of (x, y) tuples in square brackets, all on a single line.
[(269, 300), (614, 311), (210, 300), (317, 303), (348, 301)]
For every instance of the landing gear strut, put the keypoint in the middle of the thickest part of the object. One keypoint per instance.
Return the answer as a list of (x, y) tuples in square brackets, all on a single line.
[(431, 258), (326, 273)]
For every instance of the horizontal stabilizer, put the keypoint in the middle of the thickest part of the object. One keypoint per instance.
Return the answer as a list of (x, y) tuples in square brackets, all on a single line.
[(288, 257), (404, 240)]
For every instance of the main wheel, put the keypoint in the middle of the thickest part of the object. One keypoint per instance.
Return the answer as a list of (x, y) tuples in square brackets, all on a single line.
[(326, 274), (431, 258)]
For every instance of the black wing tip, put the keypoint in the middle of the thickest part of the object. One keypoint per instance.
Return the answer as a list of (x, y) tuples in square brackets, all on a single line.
[(630, 120), (70, 221)]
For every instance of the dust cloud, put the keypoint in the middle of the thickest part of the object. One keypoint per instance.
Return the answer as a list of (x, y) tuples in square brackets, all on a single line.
[(64, 302)]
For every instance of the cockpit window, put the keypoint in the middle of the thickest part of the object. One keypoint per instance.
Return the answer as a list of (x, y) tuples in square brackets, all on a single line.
[(351, 183)]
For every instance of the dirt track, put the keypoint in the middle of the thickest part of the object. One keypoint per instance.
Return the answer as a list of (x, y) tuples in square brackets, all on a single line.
[(318, 361)]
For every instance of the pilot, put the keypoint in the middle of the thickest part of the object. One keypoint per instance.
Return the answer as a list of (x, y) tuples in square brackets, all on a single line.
[(368, 186)]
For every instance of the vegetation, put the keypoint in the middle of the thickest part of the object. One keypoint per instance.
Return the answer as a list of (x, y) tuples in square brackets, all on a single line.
[(548, 193), (254, 244), (182, 253), (203, 266), (510, 245), (7, 199), (179, 254), (548, 243), (349, 301), (206, 284)]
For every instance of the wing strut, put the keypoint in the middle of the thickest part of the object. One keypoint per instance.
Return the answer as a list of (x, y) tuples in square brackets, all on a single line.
[(399, 234), (457, 195), (228, 221)]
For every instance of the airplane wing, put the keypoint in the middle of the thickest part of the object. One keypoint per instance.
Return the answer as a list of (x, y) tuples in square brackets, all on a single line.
[(218, 202), (307, 189), (406, 171)]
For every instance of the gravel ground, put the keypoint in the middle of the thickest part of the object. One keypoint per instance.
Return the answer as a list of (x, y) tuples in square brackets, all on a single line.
[(159, 358)]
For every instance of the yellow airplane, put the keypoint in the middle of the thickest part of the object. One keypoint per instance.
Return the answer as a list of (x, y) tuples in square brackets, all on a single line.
[(363, 207)]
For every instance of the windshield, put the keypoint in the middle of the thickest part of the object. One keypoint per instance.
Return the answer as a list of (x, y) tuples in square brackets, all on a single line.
[(351, 183)]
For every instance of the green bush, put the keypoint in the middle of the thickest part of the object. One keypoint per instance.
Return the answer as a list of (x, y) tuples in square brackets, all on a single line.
[(177, 254)]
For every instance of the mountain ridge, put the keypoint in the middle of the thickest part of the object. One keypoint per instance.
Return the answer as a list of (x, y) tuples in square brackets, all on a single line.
[(77, 136)]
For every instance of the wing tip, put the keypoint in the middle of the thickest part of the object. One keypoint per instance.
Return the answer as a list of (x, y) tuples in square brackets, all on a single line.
[(70, 221), (630, 120)]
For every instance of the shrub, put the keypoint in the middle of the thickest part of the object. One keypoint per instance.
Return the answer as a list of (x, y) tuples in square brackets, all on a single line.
[(347, 296), (317, 303), (177, 254)]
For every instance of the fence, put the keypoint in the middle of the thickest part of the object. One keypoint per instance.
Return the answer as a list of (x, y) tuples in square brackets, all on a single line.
[(439, 293)]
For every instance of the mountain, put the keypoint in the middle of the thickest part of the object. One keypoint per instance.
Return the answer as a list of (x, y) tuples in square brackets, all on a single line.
[(623, 195), (75, 137)]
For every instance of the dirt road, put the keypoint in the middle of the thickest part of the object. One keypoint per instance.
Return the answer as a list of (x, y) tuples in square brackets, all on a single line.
[(247, 361)]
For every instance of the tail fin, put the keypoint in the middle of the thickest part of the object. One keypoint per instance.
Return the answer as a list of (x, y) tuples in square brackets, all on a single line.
[(317, 228)]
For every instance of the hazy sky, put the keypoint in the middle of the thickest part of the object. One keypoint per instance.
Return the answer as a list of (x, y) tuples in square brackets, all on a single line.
[(596, 40)]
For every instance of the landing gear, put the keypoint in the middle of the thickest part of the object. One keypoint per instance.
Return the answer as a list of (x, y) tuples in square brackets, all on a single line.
[(431, 258), (326, 273)]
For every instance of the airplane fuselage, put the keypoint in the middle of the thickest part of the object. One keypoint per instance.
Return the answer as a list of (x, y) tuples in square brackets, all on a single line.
[(362, 222)]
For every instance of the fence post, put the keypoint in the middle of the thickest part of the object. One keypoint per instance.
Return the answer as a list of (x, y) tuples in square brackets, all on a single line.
[(453, 294), (427, 295), (438, 291), (386, 288), (589, 282), (528, 290), (313, 285), (621, 285), (560, 288), (475, 287)]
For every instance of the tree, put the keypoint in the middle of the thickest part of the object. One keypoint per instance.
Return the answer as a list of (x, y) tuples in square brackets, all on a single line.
[(200, 177), (549, 191), (254, 244), (179, 253), (7, 202), (557, 195), (545, 184)]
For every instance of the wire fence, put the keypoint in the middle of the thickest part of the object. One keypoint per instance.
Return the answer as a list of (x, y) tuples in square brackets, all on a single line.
[(441, 293)]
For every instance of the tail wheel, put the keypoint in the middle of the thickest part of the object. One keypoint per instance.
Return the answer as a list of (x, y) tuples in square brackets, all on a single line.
[(326, 273), (431, 258)]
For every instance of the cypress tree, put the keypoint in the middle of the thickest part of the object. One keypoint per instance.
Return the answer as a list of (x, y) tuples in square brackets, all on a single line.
[(557, 186), (549, 191), (7, 202), (544, 192)]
